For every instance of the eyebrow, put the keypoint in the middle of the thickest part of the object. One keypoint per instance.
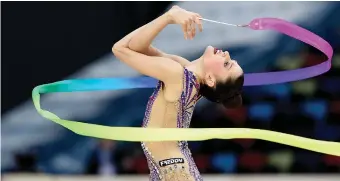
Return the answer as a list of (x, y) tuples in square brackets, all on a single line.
[(230, 66)]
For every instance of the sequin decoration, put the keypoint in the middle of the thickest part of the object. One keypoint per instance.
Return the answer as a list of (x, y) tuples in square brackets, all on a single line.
[(174, 173), (185, 107)]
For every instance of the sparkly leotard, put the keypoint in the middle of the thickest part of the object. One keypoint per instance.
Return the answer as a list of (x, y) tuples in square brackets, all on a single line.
[(171, 160)]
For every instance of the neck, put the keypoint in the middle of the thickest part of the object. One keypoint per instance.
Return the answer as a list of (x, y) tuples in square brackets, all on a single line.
[(196, 67)]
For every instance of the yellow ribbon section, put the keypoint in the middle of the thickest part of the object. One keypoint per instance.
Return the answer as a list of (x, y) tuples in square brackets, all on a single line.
[(185, 134)]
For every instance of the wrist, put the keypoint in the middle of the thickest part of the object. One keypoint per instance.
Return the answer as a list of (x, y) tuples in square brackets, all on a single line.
[(168, 17)]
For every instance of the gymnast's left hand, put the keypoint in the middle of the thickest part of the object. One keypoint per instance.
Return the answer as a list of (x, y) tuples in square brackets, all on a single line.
[(188, 20)]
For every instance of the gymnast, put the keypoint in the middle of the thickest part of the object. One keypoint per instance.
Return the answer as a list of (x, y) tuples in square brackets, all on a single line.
[(181, 84)]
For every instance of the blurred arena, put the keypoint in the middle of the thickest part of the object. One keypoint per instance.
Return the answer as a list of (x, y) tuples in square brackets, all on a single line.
[(44, 42)]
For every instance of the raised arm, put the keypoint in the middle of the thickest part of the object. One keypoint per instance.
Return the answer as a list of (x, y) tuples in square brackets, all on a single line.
[(188, 20), (130, 49), (160, 68), (152, 51)]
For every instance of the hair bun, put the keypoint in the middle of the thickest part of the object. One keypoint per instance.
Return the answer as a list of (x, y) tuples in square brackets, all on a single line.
[(233, 102)]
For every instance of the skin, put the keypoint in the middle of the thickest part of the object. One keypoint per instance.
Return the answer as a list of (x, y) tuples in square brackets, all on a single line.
[(136, 50), (213, 66)]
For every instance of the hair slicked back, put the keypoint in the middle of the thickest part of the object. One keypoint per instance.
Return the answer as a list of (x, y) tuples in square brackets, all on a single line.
[(227, 93)]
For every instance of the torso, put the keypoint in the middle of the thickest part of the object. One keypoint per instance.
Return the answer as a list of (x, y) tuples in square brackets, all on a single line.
[(161, 113)]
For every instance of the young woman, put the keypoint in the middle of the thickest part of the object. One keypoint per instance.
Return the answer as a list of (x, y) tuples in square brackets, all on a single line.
[(181, 84)]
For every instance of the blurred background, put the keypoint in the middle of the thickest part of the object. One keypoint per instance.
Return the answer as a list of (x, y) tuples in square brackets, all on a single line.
[(44, 42)]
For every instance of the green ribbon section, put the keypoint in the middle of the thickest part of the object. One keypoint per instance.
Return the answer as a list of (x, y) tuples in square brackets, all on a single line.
[(177, 134)]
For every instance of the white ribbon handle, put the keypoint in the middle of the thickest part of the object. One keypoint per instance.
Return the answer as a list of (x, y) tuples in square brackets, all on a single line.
[(218, 22)]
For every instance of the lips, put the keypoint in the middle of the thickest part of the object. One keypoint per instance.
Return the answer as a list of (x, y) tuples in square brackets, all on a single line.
[(215, 50)]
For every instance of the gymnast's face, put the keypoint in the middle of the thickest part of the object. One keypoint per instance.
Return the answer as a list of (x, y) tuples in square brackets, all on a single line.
[(218, 67)]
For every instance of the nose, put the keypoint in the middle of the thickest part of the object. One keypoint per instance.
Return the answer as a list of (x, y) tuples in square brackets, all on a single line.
[(226, 54)]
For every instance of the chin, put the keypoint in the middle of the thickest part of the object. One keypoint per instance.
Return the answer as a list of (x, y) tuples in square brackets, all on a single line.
[(208, 51)]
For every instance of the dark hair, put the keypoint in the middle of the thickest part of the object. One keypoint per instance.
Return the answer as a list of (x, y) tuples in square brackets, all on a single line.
[(227, 93)]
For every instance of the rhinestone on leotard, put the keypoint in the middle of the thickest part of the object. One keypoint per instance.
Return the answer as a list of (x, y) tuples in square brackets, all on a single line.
[(185, 107)]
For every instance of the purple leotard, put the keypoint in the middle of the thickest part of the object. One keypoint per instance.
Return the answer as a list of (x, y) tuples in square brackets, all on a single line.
[(185, 107)]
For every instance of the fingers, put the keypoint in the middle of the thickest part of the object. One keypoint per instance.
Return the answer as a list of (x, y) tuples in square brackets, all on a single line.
[(193, 29), (190, 24), (199, 23), (184, 28), (189, 29)]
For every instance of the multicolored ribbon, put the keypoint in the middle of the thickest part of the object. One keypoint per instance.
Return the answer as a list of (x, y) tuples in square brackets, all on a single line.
[(191, 134)]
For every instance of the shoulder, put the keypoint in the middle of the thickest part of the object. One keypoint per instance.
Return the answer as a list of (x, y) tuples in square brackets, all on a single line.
[(175, 73), (182, 61), (152, 51), (174, 86)]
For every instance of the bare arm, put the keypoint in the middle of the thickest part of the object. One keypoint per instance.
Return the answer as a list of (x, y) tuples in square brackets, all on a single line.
[(152, 51), (143, 37), (161, 68), (135, 49)]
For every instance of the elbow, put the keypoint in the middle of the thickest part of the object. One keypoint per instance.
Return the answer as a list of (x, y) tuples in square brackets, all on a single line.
[(119, 51), (135, 47), (116, 48)]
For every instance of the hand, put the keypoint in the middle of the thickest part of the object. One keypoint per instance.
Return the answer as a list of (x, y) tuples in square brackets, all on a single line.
[(188, 20)]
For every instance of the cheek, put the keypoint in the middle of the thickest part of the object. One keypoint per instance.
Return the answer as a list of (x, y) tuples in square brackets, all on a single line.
[(216, 69), (216, 65)]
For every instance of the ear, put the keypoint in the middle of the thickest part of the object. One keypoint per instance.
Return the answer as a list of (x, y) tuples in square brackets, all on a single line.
[(210, 80)]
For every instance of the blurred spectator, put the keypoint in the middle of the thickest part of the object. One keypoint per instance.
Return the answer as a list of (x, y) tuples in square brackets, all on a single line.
[(309, 108), (25, 162), (103, 161)]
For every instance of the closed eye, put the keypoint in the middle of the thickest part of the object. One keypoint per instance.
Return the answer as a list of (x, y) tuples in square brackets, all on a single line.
[(226, 64)]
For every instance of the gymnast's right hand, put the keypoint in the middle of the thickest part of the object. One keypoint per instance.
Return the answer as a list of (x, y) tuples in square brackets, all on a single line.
[(188, 20)]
